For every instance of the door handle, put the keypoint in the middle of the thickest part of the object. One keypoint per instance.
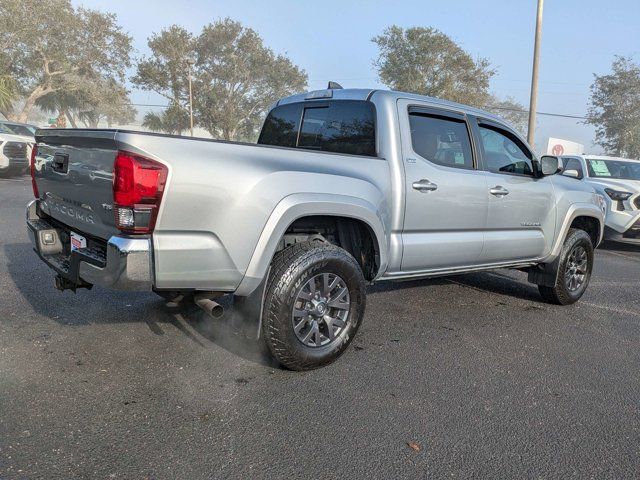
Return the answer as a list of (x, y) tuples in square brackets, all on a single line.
[(499, 191), (424, 186)]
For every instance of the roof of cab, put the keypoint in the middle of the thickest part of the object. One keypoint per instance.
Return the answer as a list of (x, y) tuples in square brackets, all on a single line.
[(367, 94)]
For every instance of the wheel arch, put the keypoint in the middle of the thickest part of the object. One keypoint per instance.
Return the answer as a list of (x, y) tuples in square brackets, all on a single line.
[(585, 216), (295, 207)]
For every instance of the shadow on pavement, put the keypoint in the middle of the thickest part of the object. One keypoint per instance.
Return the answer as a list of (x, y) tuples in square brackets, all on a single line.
[(32, 278), (620, 247), (34, 282), (491, 282)]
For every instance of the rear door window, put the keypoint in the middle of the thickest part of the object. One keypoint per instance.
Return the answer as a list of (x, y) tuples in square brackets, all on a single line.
[(341, 126), (441, 140)]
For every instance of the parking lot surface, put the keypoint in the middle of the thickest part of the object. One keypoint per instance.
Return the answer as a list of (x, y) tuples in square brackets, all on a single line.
[(468, 376)]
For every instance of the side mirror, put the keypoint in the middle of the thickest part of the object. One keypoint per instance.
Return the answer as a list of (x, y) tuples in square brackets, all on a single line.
[(572, 174), (549, 165)]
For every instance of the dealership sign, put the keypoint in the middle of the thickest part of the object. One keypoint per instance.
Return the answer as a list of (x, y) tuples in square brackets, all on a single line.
[(558, 146)]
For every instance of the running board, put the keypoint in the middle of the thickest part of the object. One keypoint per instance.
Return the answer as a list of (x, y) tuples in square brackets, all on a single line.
[(453, 271)]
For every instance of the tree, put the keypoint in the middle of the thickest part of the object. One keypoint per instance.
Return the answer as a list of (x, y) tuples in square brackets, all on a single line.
[(615, 108), (106, 100), (238, 78), (7, 93), (50, 45), (510, 110), (91, 102), (173, 120), (166, 70), (428, 62)]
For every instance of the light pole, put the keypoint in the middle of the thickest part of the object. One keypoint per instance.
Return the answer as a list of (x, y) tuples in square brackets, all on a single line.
[(190, 62), (533, 103)]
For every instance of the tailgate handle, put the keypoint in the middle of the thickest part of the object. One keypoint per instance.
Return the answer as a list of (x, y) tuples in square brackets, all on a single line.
[(61, 162)]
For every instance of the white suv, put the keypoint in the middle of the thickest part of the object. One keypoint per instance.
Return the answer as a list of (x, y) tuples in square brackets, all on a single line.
[(14, 154), (618, 180)]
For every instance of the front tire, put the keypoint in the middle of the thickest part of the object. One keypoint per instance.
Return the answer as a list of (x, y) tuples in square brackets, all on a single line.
[(574, 270), (314, 304)]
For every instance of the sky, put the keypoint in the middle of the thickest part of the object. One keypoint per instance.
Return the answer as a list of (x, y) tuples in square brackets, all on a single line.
[(332, 41)]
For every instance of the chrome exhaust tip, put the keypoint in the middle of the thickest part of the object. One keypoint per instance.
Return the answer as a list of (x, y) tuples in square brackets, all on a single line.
[(208, 305)]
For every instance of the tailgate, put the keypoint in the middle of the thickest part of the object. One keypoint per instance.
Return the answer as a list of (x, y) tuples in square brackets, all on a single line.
[(74, 175)]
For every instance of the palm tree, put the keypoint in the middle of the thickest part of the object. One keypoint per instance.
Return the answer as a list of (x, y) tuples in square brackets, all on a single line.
[(7, 92)]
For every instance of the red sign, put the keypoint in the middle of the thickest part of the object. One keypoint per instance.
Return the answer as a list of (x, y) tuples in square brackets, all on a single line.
[(557, 149)]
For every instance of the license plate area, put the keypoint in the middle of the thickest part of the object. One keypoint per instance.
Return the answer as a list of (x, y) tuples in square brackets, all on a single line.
[(77, 241)]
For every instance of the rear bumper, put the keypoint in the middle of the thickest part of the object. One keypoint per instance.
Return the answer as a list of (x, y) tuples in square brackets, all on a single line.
[(125, 264)]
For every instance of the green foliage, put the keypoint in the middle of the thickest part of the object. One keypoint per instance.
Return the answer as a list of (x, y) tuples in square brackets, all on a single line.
[(238, 78), (50, 47), (166, 70), (7, 93), (173, 120), (90, 102), (615, 109), (428, 62), (235, 79)]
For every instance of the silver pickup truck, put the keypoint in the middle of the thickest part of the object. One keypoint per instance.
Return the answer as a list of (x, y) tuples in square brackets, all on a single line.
[(344, 187)]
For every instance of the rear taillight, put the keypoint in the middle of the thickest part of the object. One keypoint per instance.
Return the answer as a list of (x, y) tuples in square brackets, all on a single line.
[(32, 169), (138, 183)]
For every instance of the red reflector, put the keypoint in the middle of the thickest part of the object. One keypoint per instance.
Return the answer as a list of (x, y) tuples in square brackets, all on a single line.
[(138, 184), (32, 169)]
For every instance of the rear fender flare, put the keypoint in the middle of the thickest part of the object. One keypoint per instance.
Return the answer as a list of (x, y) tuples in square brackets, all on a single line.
[(300, 205)]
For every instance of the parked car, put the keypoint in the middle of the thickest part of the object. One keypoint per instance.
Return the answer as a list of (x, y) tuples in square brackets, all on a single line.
[(22, 129), (618, 180), (14, 153), (343, 188)]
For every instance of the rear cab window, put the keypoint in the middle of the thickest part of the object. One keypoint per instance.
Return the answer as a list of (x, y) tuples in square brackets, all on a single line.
[(339, 126)]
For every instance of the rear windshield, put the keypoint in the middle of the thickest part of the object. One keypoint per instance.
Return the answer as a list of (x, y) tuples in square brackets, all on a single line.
[(21, 130), (341, 126)]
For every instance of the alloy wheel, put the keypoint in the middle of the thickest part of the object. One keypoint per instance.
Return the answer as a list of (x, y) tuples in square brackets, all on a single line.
[(321, 310)]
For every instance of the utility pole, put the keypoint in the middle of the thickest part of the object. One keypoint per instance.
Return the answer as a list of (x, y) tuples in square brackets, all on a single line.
[(533, 103), (190, 62)]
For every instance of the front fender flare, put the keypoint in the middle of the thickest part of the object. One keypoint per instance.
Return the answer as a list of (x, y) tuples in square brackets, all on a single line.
[(576, 210), (300, 205)]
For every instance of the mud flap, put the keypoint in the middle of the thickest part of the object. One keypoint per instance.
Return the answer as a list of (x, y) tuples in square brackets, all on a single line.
[(544, 274), (247, 311)]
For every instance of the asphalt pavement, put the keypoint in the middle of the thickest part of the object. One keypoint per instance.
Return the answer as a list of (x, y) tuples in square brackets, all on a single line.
[(461, 377)]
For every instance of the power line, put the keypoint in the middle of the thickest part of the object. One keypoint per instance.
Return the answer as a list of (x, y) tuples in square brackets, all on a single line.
[(549, 114)]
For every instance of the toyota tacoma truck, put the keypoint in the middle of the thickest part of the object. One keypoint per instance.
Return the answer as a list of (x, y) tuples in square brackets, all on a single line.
[(344, 187)]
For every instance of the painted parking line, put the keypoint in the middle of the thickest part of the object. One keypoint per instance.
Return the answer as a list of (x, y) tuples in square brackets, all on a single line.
[(618, 254), (623, 311)]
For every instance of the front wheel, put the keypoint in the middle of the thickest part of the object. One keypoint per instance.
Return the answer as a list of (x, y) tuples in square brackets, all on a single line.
[(574, 270), (314, 304)]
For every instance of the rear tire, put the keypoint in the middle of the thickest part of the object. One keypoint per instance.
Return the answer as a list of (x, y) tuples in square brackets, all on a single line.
[(314, 304), (574, 270)]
